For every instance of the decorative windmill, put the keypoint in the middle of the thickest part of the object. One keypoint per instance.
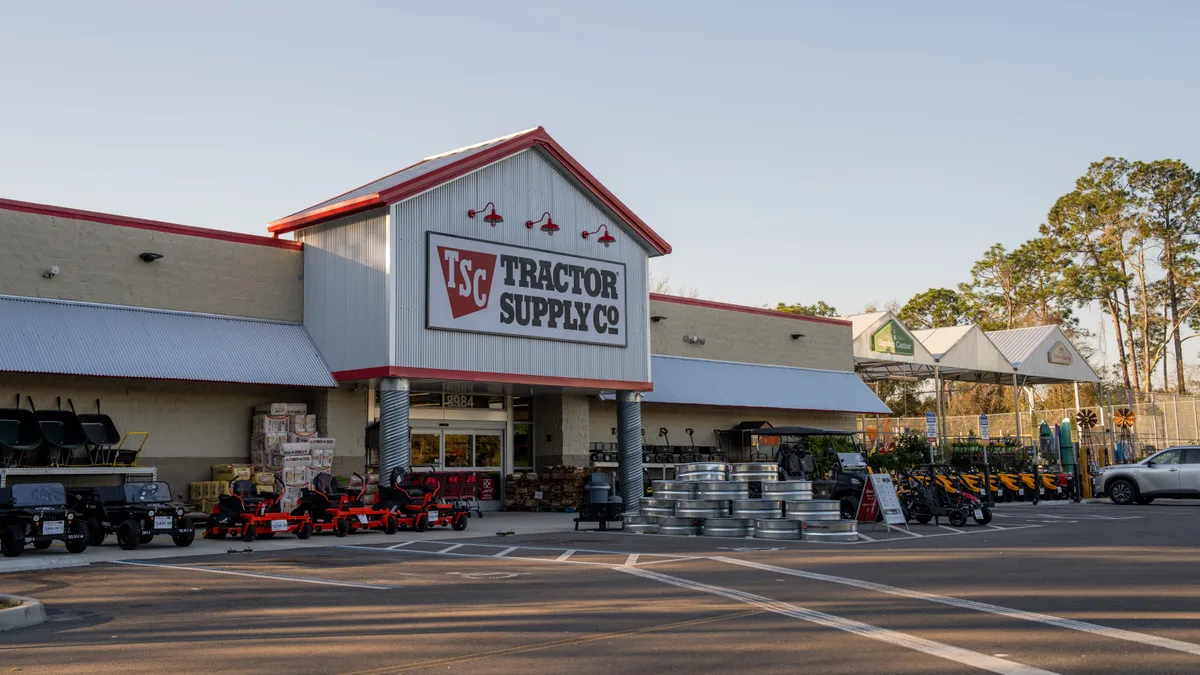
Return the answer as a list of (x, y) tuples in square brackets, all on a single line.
[(1124, 418), (1087, 419)]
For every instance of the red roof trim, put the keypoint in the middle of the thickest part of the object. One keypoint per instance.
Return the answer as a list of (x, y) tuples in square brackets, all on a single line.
[(503, 378), (331, 212), (143, 224), (748, 310), (475, 162)]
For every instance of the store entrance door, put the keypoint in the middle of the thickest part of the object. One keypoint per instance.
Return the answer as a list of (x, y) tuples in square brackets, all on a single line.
[(453, 449)]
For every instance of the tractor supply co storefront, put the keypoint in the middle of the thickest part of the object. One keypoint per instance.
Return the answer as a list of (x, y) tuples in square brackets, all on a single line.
[(487, 307)]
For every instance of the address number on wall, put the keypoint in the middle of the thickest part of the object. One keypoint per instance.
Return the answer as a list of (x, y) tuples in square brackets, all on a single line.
[(458, 401)]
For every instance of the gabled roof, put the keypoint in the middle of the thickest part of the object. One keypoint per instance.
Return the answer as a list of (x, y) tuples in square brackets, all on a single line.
[(439, 169), (965, 353), (1028, 349), (79, 338), (875, 365)]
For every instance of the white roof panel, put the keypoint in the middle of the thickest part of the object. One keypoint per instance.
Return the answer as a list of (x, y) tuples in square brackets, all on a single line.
[(1043, 353)]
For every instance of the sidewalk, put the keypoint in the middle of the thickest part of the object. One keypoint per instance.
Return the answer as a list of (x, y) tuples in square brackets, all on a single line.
[(161, 547)]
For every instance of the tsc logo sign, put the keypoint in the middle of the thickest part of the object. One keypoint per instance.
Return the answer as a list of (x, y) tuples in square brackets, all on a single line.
[(485, 287), (468, 276)]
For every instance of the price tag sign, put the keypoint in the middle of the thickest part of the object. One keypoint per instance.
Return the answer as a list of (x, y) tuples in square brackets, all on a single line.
[(930, 425), (983, 428), (433, 516), (279, 526), (879, 495)]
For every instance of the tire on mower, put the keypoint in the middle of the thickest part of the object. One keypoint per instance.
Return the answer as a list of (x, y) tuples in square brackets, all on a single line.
[(390, 525), (129, 535), (957, 518), (305, 531), (78, 545), (186, 538), (422, 523), (342, 528), (987, 516), (459, 523), (249, 533)]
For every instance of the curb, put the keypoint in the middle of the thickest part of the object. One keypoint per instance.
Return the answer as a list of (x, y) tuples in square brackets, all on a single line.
[(28, 612), (43, 562)]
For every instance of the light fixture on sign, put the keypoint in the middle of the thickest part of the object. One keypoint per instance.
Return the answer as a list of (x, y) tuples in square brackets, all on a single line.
[(549, 227), (606, 238), (491, 219)]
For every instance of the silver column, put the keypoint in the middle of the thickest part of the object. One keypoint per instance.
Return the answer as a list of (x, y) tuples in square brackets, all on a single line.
[(394, 437), (629, 445)]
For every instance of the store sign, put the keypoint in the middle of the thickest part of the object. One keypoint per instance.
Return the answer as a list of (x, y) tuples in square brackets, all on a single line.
[(484, 287), (892, 339), (1060, 354)]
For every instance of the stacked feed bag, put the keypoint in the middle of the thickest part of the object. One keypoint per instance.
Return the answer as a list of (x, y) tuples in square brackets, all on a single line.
[(554, 488), (231, 472), (203, 495), (321, 450), (284, 443)]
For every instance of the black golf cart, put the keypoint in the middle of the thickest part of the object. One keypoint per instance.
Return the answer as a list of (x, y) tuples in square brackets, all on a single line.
[(801, 456), (135, 512), (37, 513)]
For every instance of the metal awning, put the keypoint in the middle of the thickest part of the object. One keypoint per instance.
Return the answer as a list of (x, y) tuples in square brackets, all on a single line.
[(885, 349), (965, 354), (689, 381), (77, 338)]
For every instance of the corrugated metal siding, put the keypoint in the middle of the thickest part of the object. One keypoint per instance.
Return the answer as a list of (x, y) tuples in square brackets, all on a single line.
[(71, 338), (723, 383), (345, 290), (410, 173), (1028, 349), (523, 187)]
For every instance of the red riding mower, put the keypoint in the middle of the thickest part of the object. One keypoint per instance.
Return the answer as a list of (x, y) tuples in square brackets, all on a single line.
[(415, 500), (332, 509), (251, 515)]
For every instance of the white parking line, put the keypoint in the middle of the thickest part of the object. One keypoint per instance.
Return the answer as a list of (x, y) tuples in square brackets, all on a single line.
[(402, 544), (506, 551), (565, 554), (863, 536), (631, 560), (952, 529), (1070, 624), (451, 548), (277, 577), (939, 649)]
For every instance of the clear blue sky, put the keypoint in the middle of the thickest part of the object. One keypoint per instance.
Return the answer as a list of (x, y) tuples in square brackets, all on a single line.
[(791, 151)]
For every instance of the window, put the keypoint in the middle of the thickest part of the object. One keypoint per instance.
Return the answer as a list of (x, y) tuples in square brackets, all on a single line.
[(1193, 456), (1166, 458)]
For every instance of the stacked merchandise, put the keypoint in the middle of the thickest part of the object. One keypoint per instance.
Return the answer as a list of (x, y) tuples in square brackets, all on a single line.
[(553, 489), (284, 444), (742, 500)]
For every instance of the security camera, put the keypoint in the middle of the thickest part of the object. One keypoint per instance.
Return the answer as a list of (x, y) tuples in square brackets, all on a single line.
[(51, 272)]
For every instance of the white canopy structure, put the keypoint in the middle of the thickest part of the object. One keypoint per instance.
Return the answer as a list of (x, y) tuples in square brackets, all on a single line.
[(1043, 355), (884, 349), (965, 353)]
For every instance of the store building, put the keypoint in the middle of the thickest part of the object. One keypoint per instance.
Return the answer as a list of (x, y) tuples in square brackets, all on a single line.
[(488, 306)]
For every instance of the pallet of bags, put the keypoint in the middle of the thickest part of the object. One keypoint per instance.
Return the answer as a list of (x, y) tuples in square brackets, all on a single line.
[(321, 450), (302, 425), (274, 460), (284, 409), (208, 490), (231, 472)]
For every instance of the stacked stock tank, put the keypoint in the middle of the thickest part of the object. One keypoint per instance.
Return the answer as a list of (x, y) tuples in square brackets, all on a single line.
[(716, 499)]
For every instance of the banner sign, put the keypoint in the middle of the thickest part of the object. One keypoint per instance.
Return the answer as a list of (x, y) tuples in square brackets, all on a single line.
[(484, 287), (983, 428), (879, 494), (892, 339), (1059, 354), (930, 425)]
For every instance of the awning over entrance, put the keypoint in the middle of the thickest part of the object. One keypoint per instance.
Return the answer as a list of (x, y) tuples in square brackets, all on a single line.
[(1043, 355), (966, 354), (884, 349), (690, 381), (76, 338)]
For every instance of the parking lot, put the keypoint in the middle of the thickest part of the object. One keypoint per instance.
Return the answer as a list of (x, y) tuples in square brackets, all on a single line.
[(1057, 588)]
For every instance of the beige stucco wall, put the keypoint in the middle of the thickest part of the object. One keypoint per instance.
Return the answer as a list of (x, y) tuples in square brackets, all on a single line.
[(703, 419), (99, 262), (561, 429), (731, 335)]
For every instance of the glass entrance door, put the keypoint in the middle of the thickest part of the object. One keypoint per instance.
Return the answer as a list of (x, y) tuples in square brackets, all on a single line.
[(458, 449)]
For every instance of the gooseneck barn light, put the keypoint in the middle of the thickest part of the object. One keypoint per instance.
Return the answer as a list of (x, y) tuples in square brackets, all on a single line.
[(606, 238), (549, 227), (491, 219)]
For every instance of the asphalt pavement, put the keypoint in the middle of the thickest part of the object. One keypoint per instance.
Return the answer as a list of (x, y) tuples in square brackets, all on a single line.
[(1056, 588)]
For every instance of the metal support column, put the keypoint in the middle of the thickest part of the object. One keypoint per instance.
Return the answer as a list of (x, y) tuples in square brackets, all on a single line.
[(629, 449), (1017, 408), (1077, 408), (937, 381), (1175, 412), (395, 439)]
